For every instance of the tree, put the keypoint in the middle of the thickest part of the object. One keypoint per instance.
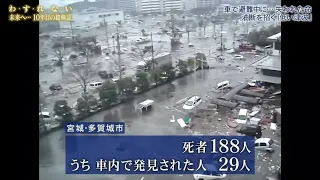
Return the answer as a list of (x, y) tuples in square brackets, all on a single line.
[(259, 38), (156, 76), (142, 54), (81, 74), (142, 81), (183, 67), (86, 103), (62, 110), (126, 87), (59, 52), (108, 93), (143, 32)]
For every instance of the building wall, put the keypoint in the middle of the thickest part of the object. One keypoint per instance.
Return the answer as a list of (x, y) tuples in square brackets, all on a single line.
[(172, 5), (206, 3), (268, 72), (127, 5), (276, 51), (189, 4), (93, 19), (150, 6)]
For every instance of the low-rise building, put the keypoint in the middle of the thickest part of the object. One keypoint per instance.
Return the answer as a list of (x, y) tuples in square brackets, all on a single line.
[(93, 17), (269, 66)]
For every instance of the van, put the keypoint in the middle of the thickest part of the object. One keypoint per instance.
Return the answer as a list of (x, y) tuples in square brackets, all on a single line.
[(223, 85), (251, 130), (95, 84), (242, 116)]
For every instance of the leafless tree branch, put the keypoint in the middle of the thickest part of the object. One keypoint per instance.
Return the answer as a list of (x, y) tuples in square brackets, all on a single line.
[(82, 74)]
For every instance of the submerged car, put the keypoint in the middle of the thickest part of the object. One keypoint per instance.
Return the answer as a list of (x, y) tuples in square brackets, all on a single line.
[(210, 173), (251, 130), (192, 103), (239, 57)]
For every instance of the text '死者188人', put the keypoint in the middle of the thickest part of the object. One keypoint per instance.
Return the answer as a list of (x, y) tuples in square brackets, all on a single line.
[(221, 146), (95, 128)]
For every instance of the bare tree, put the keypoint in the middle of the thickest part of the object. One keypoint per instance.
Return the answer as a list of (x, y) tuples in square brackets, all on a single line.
[(142, 53), (59, 52), (81, 74)]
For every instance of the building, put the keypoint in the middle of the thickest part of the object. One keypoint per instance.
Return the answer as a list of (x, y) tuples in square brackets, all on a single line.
[(108, 4), (127, 5), (48, 26), (169, 5), (158, 6), (93, 17), (149, 6), (189, 4), (206, 3), (269, 66)]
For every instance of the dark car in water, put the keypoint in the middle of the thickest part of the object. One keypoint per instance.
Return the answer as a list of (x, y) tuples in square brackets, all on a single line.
[(55, 87), (251, 130)]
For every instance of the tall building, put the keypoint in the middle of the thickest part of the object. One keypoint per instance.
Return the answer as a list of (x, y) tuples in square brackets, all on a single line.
[(158, 6), (109, 4), (270, 65), (169, 5), (127, 5), (150, 6)]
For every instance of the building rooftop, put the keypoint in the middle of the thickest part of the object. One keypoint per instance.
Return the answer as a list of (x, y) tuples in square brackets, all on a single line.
[(94, 11), (268, 62), (275, 37), (268, 79)]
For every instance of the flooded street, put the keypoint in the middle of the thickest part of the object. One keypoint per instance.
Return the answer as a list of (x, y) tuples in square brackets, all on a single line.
[(157, 121), (52, 152)]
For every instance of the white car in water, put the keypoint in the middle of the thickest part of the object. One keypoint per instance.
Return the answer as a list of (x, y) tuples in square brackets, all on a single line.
[(192, 103), (239, 57), (210, 173), (230, 51)]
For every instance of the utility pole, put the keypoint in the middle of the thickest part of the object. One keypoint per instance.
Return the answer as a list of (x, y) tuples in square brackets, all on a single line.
[(119, 53), (152, 52), (105, 24), (221, 45), (71, 30)]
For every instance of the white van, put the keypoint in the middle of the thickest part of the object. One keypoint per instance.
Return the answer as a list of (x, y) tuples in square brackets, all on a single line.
[(95, 84), (223, 85), (242, 116)]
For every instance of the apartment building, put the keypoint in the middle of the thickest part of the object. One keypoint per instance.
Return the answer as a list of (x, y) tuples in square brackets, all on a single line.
[(169, 5), (127, 5), (150, 6), (207, 3), (158, 6)]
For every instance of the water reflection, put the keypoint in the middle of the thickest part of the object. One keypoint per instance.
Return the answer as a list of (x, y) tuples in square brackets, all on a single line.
[(45, 152)]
